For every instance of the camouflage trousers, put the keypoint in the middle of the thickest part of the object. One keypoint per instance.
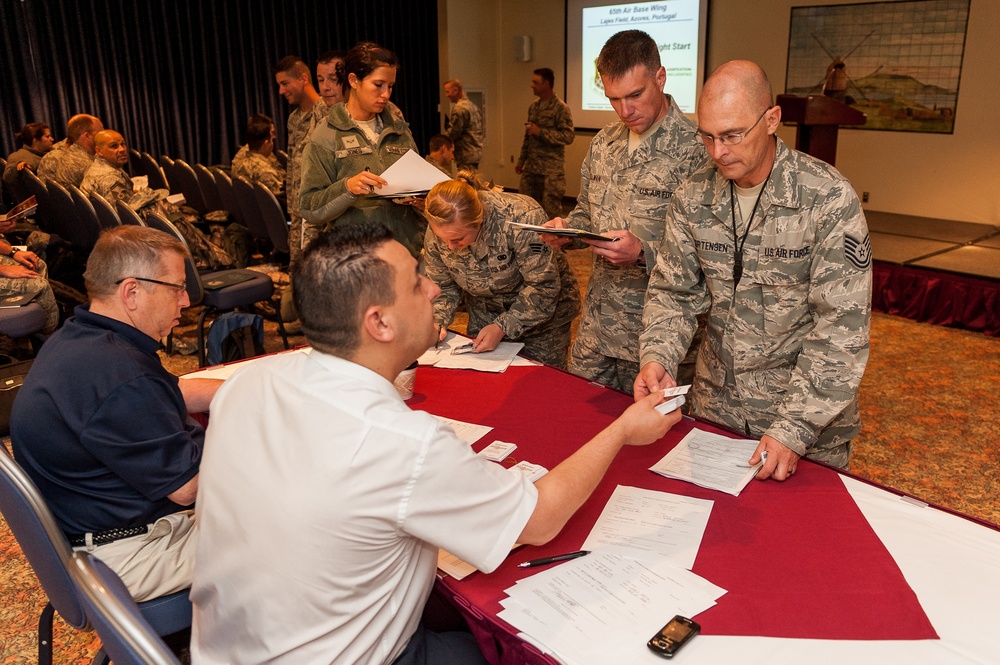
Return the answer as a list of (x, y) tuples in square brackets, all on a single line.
[(548, 345), (299, 236), (548, 190), (12, 286)]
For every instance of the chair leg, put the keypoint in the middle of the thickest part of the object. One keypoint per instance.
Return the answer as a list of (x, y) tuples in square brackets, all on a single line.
[(281, 328), (45, 635), (201, 336)]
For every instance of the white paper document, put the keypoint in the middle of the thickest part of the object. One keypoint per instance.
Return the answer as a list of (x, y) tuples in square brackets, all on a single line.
[(468, 432), (602, 608), (497, 360), (443, 349), (410, 175), (710, 460), (644, 524)]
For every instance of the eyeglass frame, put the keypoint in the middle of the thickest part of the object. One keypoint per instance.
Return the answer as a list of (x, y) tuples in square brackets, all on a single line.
[(181, 288), (708, 140)]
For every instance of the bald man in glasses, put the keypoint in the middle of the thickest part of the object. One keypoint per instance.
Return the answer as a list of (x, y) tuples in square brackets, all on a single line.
[(773, 245), (101, 427)]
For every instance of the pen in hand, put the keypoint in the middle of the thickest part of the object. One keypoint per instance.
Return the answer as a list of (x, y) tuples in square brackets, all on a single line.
[(553, 559), (371, 188)]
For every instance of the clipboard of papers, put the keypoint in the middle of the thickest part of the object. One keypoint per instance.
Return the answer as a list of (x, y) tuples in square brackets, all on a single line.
[(567, 233)]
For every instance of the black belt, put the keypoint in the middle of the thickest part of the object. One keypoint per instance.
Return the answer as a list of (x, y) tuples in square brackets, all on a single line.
[(105, 537)]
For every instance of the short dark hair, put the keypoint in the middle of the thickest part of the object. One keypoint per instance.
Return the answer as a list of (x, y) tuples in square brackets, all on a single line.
[(258, 130), (439, 140), (362, 60), (330, 56), (293, 64), (31, 133), (336, 280), (547, 75), (626, 50)]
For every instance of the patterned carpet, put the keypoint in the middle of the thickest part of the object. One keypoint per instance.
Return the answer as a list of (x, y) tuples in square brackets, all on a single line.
[(931, 427)]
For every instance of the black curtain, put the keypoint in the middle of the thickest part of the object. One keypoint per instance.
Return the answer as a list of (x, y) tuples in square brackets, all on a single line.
[(180, 77)]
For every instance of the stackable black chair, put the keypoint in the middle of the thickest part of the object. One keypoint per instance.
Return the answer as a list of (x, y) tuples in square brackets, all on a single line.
[(209, 188), (90, 225), (126, 636), (247, 200), (63, 217), (106, 215), (40, 191), (48, 551), (224, 185), (134, 163), (128, 216), (253, 287), (152, 171), (187, 181), (274, 217), (167, 166), (282, 158)]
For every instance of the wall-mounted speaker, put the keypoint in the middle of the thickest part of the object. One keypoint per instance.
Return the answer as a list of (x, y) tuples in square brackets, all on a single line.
[(522, 48)]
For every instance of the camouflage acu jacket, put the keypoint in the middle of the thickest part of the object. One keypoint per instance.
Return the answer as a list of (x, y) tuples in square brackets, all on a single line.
[(300, 125), (619, 190), (466, 131), (65, 165), (546, 153), (785, 350), (508, 275), (110, 182), (339, 149)]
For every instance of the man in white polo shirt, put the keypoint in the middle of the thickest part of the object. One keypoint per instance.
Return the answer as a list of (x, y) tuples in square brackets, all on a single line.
[(323, 498)]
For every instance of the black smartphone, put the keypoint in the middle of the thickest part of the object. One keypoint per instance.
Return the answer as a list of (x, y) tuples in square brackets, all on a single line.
[(673, 636)]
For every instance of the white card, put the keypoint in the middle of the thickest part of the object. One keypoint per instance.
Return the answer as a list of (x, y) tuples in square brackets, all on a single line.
[(530, 471), (498, 450)]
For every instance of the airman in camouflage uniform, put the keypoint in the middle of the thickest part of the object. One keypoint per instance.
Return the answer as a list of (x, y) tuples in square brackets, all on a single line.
[(549, 129), (68, 163), (465, 127), (107, 180), (787, 338), (620, 190), (338, 150), (509, 277), (255, 167), (300, 126)]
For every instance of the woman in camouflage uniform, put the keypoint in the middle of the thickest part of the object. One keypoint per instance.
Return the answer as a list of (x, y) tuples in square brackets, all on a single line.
[(515, 286)]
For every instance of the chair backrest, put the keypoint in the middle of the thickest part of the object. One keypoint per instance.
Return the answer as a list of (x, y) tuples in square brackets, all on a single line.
[(39, 190), (134, 162), (195, 289), (282, 158), (64, 219), (247, 200), (106, 215), (224, 184), (128, 216), (167, 166), (125, 634), (188, 183), (43, 543), (152, 170), (274, 217), (209, 188), (90, 227)]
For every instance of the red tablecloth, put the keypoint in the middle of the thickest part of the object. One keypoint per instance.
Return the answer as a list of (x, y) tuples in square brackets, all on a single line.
[(798, 558)]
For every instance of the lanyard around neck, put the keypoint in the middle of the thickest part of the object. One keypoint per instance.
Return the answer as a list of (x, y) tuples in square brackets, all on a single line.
[(738, 243)]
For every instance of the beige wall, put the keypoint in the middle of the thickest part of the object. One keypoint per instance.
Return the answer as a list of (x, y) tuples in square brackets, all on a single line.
[(953, 176)]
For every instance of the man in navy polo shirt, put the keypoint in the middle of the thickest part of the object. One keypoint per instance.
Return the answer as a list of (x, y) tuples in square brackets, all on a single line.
[(101, 427)]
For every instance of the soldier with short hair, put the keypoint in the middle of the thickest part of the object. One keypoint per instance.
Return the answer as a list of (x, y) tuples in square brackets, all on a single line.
[(442, 155), (628, 177), (67, 163), (255, 164), (773, 245), (465, 127), (549, 129), (295, 85)]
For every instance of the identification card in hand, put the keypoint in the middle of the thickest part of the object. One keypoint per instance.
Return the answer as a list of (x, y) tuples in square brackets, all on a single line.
[(498, 450), (465, 348), (670, 404)]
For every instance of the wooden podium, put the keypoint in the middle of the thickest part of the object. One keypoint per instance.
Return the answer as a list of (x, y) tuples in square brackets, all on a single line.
[(818, 118)]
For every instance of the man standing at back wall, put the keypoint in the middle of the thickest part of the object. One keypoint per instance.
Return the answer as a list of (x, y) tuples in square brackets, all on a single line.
[(628, 177), (547, 132), (295, 84), (465, 127)]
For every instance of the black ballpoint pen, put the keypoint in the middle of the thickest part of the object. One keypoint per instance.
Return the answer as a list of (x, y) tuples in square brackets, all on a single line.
[(553, 559)]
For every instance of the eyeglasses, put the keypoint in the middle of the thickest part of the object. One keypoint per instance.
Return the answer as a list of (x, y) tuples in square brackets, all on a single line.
[(178, 287), (733, 137)]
